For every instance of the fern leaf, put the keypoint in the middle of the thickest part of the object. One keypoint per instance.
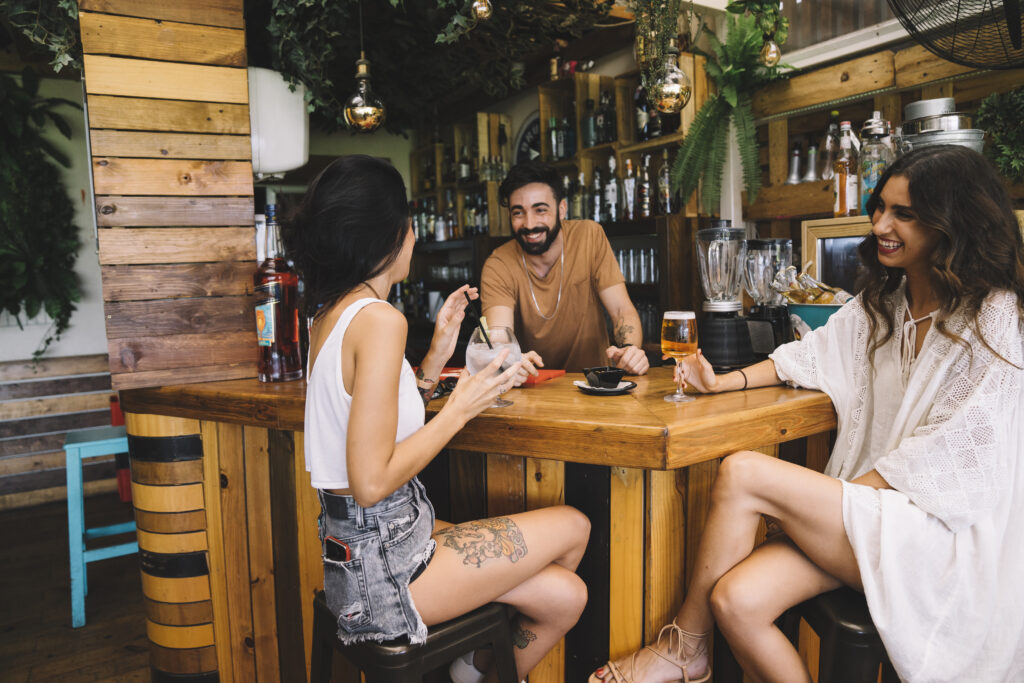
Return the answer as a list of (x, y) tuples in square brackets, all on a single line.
[(691, 159), (746, 137), (711, 193)]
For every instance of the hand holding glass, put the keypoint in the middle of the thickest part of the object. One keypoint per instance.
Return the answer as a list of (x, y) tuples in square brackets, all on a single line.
[(678, 340), (479, 354)]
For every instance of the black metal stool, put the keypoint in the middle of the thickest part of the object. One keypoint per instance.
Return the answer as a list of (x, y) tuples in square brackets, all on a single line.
[(851, 650), (400, 662)]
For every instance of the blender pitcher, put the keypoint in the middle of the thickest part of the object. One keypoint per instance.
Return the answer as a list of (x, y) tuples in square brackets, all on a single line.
[(768, 320)]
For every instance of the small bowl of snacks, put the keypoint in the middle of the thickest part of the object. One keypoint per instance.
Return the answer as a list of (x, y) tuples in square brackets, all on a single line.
[(815, 315), (809, 300), (605, 377)]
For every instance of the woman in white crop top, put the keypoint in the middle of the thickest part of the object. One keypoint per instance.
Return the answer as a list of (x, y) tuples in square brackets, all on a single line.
[(390, 568)]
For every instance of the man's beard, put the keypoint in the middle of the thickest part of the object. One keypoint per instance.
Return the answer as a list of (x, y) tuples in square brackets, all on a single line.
[(535, 249)]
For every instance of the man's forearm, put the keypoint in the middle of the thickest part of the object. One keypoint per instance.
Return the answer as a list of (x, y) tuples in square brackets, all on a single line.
[(627, 330)]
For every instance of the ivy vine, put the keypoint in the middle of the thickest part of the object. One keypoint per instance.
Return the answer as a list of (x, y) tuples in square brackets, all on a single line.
[(38, 238)]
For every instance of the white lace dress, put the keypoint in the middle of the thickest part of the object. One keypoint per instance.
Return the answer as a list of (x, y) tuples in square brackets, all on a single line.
[(941, 555)]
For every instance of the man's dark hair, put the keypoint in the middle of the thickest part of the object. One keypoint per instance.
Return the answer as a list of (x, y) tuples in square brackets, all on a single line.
[(529, 172)]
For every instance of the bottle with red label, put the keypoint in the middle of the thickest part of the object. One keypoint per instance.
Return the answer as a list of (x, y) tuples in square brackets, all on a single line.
[(277, 310)]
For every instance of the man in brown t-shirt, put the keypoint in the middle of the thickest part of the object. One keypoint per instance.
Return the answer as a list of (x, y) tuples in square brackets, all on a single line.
[(549, 284)]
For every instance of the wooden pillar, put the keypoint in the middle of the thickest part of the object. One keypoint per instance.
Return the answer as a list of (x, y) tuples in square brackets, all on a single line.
[(171, 520)]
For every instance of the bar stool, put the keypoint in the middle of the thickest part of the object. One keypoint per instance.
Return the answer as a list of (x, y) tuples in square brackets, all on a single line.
[(850, 652), (399, 662), (78, 445)]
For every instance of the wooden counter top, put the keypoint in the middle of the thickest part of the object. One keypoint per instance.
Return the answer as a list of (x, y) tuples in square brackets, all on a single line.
[(554, 420)]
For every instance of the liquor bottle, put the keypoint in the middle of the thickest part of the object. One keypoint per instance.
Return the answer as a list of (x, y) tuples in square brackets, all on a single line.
[(629, 193), (596, 204), (276, 288), (553, 137), (844, 182), (570, 136), (612, 193), (485, 217), (600, 127), (610, 121), (794, 166), (829, 146), (451, 217), (559, 139), (465, 166), (875, 156), (588, 133), (665, 203), (579, 199), (641, 107), (448, 166), (643, 192)]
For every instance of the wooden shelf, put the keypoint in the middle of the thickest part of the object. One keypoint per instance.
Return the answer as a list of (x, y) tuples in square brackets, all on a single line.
[(638, 228), (791, 201), (598, 149), (447, 245), (654, 143)]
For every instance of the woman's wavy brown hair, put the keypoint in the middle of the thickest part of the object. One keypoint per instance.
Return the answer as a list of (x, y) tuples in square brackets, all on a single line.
[(958, 192)]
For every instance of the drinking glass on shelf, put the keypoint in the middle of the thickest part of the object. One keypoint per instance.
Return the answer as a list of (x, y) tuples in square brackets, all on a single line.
[(678, 340), (479, 354)]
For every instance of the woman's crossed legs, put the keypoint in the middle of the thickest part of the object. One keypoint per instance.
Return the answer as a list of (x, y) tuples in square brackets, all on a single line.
[(526, 560), (744, 589)]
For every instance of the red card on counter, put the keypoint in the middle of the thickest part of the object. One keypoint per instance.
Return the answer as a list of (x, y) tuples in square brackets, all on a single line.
[(542, 376)]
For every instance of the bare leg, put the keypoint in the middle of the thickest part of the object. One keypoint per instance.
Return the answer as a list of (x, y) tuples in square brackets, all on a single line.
[(526, 560), (808, 507)]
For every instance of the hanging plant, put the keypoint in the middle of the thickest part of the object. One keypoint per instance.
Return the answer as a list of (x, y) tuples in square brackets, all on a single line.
[(53, 25), (736, 69), (657, 23), (38, 238), (773, 26), (1000, 115)]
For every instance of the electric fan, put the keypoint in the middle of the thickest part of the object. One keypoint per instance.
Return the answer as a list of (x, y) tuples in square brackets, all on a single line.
[(978, 33)]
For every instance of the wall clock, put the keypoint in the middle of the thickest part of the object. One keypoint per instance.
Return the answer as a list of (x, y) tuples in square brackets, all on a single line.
[(528, 140)]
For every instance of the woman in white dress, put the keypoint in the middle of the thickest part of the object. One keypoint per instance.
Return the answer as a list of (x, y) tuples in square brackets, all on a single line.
[(922, 502), (390, 568)]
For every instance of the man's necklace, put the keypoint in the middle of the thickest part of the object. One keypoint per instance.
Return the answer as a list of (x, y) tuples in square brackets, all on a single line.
[(529, 281)]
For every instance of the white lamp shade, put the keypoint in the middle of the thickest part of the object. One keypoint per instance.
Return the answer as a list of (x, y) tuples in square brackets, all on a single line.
[(278, 121)]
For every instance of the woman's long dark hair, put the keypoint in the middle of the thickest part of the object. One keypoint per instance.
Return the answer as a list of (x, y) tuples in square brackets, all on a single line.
[(958, 192), (349, 227)]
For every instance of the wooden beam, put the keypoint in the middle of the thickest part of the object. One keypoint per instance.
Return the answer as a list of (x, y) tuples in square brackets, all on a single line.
[(848, 79)]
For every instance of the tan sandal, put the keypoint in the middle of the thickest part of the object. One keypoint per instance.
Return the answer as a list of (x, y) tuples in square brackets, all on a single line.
[(677, 656)]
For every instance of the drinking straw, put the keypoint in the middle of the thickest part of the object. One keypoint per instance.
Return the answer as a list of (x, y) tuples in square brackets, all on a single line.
[(472, 312)]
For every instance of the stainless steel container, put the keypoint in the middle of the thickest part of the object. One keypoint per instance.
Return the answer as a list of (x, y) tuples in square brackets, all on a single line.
[(941, 122), (933, 107), (972, 138)]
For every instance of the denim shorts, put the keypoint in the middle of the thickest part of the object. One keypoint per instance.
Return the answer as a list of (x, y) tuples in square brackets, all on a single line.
[(383, 548)]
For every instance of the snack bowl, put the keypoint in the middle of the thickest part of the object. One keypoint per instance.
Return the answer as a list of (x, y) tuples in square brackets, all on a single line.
[(606, 377), (815, 315)]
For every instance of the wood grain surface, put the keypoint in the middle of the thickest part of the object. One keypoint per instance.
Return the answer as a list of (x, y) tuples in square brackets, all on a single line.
[(141, 282), (114, 175), (133, 113), (177, 245), (165, 80), (209, 12), (553, 420), (157, 145), (171, 41)]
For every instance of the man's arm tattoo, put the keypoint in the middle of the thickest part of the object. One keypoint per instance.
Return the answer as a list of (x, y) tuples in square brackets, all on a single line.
[(427, 392), (484, 540), (622, 331), (522, 637)]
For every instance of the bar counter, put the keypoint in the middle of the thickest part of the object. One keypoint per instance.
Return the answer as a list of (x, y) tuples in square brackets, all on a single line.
[(225, 458)]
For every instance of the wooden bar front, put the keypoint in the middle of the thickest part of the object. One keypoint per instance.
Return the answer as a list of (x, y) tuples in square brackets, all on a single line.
[(639, 467)]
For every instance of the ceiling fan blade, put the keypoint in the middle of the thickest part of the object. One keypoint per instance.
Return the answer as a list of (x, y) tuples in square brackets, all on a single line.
[(1012, 10)]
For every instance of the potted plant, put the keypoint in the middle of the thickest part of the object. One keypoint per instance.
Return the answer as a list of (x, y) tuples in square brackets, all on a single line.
[(1000, 115)]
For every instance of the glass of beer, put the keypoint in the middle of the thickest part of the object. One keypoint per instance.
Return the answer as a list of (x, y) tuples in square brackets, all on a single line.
[(678, 340)]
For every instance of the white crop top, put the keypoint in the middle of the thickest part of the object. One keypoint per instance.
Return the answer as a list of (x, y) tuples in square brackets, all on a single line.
[(328, 406)]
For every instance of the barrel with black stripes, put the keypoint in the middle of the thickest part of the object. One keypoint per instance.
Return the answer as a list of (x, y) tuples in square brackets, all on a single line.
[(167, 492)]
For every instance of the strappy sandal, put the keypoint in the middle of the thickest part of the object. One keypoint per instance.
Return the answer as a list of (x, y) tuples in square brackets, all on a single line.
[(677, 656)]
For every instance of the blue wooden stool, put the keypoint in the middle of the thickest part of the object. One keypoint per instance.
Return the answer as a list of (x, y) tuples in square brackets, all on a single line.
[(78, 445)]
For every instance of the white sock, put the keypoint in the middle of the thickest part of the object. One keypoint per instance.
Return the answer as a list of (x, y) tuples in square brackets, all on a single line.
[(462, 670)]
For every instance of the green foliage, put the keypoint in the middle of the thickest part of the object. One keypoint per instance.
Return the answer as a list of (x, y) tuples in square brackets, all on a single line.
[(421, 51), (1001, 114), (735, 67), (770, 22), (51, 24), (38, 238)]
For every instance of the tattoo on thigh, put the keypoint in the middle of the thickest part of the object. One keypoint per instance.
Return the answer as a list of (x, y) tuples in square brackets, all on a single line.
[(484, 540), (522, 637)]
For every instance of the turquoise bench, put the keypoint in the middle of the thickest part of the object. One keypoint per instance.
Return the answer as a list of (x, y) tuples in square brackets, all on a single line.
[(81, 444)]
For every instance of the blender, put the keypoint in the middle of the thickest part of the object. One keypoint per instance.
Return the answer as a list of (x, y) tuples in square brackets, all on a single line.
[(725, 340), (768, 319)]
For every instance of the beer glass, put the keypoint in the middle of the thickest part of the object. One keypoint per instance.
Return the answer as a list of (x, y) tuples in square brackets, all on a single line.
[(479, 354), (678, 340)]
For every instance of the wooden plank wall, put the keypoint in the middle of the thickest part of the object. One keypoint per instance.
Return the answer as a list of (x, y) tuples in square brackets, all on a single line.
[(167, 98), (38, 406)]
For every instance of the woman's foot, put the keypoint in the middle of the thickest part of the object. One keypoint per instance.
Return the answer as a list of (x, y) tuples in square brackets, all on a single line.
[(677, 655)]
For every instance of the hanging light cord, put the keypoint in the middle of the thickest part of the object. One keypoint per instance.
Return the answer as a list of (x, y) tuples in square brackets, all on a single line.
[(361, 53)]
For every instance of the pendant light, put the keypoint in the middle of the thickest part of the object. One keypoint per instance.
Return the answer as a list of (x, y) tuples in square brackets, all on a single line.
[(671, 92), (364, 111), (482, 10)]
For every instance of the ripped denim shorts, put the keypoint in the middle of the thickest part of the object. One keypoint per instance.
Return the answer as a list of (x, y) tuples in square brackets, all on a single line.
[(377, 553)]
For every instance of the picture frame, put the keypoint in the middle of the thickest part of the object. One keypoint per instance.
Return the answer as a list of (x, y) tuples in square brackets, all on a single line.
[(829, 249)]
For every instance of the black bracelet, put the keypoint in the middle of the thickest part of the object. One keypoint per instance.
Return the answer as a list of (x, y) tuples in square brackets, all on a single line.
[(744, 379)]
